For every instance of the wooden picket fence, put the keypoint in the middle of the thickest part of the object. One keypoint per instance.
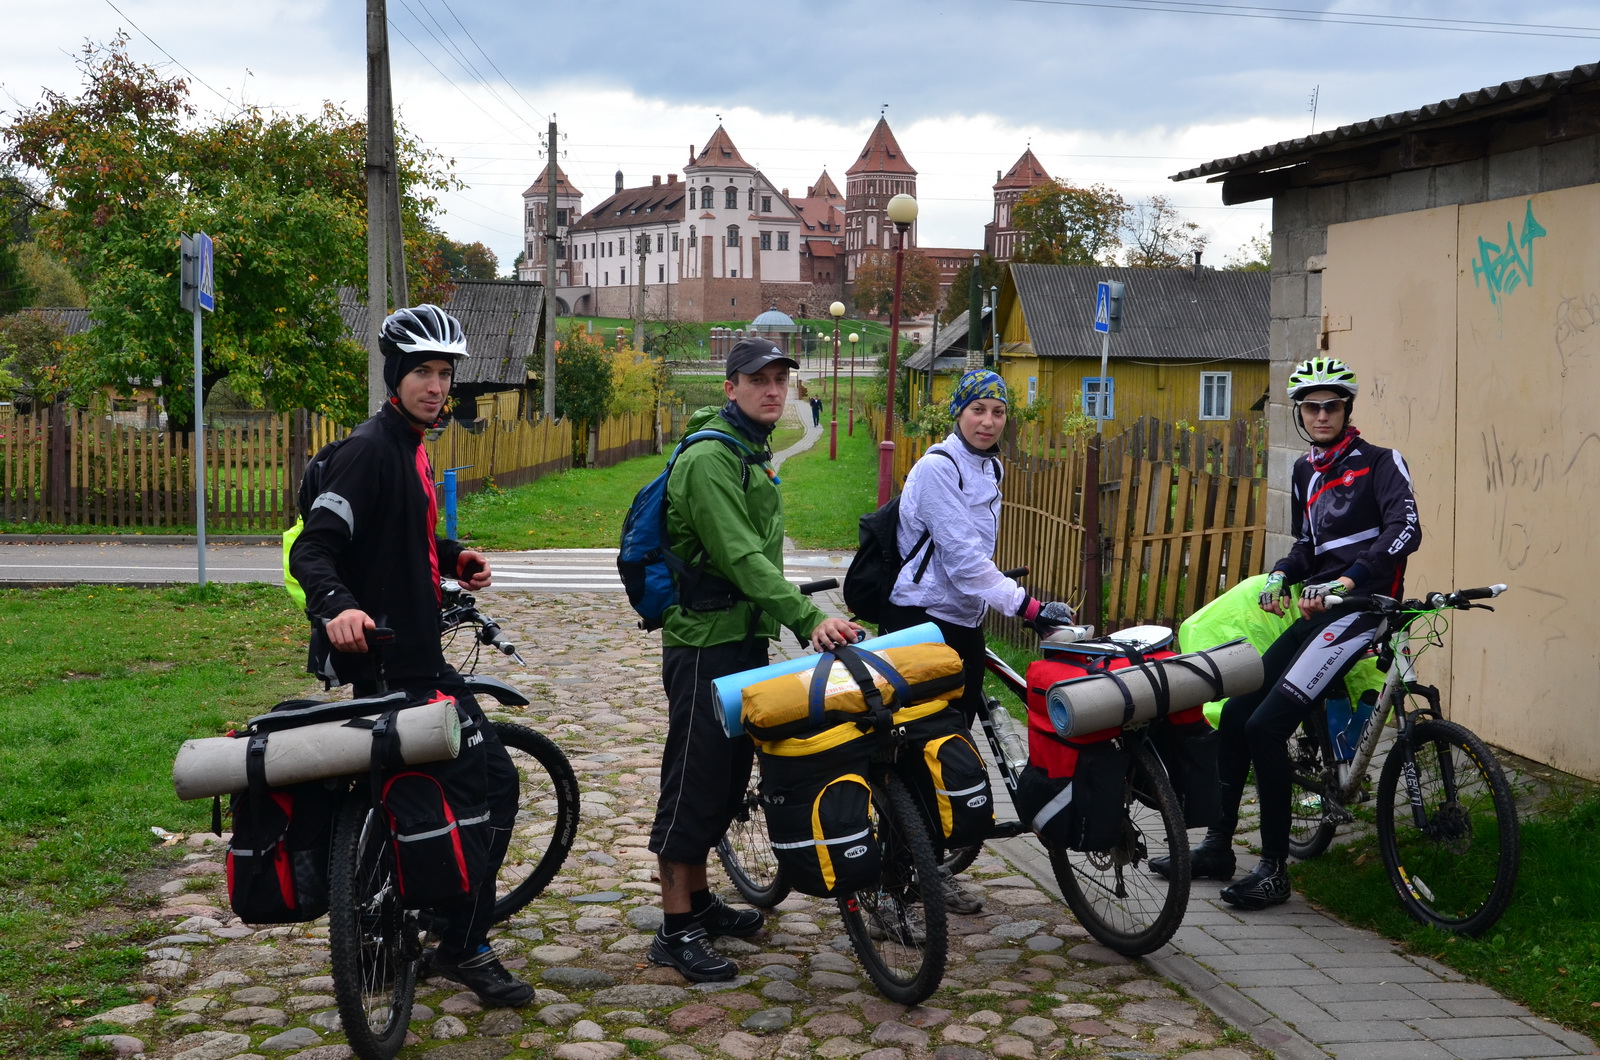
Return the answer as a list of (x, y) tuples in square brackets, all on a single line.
[(1182, 515), (70, 467)]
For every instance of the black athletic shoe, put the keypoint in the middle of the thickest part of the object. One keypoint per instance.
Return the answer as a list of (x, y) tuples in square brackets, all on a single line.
[(1267, 884), (719, 918), (690, 952), (1205, 863), (484, 975)]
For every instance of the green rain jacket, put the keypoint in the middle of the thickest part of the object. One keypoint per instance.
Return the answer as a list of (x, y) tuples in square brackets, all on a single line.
[(739, 529), (1237, 613)]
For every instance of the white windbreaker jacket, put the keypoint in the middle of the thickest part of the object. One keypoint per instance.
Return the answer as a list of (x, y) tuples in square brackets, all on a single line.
[(958, 502)]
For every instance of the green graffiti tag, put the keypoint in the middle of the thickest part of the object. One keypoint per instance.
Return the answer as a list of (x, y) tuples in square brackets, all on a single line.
[(1503, 269)]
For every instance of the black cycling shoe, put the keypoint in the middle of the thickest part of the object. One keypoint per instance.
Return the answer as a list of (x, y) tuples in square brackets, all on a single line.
[(690, 952), (1206, 862), (1267, 884), (484, 975), (719, 918)]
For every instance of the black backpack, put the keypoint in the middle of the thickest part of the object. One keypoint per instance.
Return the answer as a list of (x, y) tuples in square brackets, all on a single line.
[(877, 561)]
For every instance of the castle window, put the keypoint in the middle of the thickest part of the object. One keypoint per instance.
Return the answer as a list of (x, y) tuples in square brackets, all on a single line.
[(705, 198), (731, 199), (674, 242), (691, 235), (783, 240), (659, 240), (733, 235), (766, 240)]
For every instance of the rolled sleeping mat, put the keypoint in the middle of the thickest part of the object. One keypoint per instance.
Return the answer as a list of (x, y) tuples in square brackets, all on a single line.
[(790, 704), (428, 732), (730, 689), (1155, 688)]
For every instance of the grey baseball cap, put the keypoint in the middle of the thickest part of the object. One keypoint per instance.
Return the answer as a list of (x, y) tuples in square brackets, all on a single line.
[(751, 355)]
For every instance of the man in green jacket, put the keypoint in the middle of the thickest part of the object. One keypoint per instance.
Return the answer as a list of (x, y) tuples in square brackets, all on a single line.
[(723, 507)]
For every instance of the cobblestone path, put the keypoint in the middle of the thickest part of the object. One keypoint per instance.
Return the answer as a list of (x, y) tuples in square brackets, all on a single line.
[(1024, 979)]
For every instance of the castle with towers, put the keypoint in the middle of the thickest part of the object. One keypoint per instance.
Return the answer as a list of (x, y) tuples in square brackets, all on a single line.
[(724, 243)]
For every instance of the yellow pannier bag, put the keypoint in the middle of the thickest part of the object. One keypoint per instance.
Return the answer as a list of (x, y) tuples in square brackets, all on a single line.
[(847, 683)]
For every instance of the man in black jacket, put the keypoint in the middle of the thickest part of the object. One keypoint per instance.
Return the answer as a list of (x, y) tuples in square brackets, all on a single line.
[(1354, 521), (369, 556)]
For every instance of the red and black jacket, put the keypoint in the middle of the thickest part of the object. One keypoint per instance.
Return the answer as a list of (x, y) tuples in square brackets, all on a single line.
[(1356, 519), (369, 542)]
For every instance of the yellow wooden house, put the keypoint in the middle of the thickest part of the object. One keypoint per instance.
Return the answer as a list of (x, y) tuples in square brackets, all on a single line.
[(1193, 345)]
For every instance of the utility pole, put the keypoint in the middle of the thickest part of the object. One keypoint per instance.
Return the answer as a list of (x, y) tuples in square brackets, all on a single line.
[(974, 318), (638, 317), (386, 262), (550, 273)]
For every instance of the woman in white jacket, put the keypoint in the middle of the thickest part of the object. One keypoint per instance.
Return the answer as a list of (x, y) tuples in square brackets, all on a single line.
[(949, 519)]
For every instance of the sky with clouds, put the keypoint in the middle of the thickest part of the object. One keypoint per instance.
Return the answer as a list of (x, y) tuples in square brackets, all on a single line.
[(1121, 92)]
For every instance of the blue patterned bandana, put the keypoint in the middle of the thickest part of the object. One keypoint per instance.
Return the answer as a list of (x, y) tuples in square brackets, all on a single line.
[(978, 383)]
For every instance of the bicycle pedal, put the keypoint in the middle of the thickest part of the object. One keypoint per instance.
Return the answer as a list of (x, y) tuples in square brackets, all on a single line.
[(1007, 829), (1336, 813)]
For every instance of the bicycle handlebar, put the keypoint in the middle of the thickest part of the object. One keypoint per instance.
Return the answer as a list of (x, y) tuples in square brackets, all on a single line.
[(1460, 599), (807, 588)]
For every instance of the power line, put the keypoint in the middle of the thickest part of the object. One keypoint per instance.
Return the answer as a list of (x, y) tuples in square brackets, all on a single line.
[(452, 49), (168, 54), (492, 63), (1346, 18), (450, 82)]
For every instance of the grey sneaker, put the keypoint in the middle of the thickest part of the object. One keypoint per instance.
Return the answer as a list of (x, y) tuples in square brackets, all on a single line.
[(1267, 885), (691, 954), (892, 920), (958, 898)]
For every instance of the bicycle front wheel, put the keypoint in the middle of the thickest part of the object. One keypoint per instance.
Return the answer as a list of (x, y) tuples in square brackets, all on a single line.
[(1113, 893), (373, 942), (1311, 774), (1453, 860), (899, 929), (746, 854), (547, 817), (461, 647)]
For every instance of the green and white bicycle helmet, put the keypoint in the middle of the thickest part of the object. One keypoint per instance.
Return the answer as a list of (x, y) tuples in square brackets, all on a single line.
[(1322, 373)]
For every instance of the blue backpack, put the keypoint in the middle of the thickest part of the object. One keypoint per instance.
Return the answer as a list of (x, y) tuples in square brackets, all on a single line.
[(649, 569)]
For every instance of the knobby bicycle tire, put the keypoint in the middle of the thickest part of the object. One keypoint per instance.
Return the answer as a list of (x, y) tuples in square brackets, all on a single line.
[(547, 817), (907, 969), (959, 859), (1311, 775), (746, 854), (1459, 869), (1113, 893), (374, 943)]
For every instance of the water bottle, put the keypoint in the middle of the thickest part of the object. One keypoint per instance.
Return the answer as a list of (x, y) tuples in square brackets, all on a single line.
[(1013, 745)]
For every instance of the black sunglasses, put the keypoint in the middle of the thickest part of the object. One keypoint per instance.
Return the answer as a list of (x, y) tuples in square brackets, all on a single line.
[(1323, 406)]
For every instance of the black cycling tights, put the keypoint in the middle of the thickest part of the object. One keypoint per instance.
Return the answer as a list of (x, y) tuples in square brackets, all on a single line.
[(1298, 668)]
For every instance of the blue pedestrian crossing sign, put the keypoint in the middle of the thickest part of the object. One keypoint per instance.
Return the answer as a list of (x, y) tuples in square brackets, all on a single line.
[(1108, 306), (197, 276)]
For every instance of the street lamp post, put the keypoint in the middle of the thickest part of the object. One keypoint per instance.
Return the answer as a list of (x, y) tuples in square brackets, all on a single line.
[(902, 211), (854, 338), (836, 310)]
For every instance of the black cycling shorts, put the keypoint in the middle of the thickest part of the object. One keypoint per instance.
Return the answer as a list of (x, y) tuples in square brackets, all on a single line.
[(704, 773)]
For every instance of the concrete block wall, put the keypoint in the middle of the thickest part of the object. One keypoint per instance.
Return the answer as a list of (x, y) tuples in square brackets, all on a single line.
[(1300, 220)]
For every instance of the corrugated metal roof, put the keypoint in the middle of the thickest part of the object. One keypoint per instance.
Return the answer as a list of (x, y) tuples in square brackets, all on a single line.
[(70, 318), (1168, 314), (501, 319), (951, 342), (1287, 152)]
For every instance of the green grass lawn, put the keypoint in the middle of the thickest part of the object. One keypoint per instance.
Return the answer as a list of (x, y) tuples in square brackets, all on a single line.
[(580, 508), (823, 500), (102, 686), (1545, 951)]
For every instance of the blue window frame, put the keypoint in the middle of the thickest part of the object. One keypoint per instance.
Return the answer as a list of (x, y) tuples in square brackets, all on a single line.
[(1092, 388)]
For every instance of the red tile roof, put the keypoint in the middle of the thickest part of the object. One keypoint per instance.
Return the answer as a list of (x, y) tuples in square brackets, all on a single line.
[(881, 154), (822, 248), (563, 185), (1025, 173), (824, 188), (635, 206), (719, 152)]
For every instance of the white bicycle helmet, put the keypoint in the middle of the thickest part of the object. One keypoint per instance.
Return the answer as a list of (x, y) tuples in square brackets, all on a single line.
[(422, 329), (1322, 373)]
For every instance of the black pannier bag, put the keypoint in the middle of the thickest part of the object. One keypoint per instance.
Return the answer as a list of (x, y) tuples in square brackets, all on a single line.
[(438, 817), (1083, 810), (1187, 745), (818, 805), (946, 774)]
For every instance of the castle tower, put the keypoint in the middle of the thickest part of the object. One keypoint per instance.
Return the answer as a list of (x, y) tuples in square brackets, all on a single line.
[(535, 203), (999, 236), (878, 175)]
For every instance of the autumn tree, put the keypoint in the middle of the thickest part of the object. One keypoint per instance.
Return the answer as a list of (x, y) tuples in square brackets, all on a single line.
[(31, 346), (129, 165), (957, 301), (1254, 256), (1158, 237), (468, 261), (874, 284), (1065, 225)]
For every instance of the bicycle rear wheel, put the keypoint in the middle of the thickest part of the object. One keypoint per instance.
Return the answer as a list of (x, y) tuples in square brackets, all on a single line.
[(746, 854), (546, 822), (1113, 893), (1457, 869), (903, 952), (1311, 774), (374, 943)]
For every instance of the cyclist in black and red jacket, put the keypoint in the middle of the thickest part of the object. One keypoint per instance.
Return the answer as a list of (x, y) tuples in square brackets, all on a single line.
[(1354, 521), (370, 555)]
